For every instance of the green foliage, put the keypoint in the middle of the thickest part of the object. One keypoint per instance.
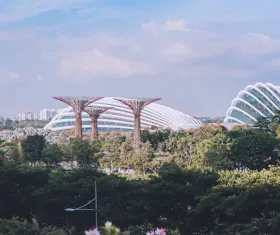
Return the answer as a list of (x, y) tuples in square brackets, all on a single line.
[(32, 148), (126, 155), (142, 157), (11, 151), (8, 123), (52, 155), (155, 138), (12, 125), (83, 152), (109, 229), (255, 150), (17, 183), (168, 169), (111, 153), (213, 153), (16, 227), (207, 181)]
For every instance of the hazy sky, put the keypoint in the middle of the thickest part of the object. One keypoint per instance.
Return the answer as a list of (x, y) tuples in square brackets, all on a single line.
[(195, 54)]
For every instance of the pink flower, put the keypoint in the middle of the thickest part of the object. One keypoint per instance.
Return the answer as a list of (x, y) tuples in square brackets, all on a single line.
[(92, 232), (160, 231), (157, 232)]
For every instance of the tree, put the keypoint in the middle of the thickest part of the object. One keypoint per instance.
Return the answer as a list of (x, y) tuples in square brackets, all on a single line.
[(111, 153), (126, 156), (15, 227), (276, 117), (52, 155), (143, 157), (173, 196), (18, 182), (243, 203), (255, 150), (181, 147), (2, 158), (155, 138), (32, 148), (82, 152), (11, 151), (263, 123), (213, 153), (8, 123)]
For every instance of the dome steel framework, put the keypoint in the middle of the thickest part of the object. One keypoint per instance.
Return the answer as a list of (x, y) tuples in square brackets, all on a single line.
[(255, 101)]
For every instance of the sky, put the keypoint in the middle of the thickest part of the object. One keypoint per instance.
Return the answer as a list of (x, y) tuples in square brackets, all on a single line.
[(194, 54)]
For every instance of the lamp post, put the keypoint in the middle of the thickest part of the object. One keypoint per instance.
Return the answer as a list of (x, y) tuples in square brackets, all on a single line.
[(82, 208)]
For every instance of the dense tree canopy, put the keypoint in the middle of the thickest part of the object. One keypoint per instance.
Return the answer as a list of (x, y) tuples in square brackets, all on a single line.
[(206, 181), (32, 148)]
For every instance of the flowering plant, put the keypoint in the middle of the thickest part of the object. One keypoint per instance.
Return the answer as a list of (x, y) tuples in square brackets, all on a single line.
[(158, 231), (109, 229), (92, 232)]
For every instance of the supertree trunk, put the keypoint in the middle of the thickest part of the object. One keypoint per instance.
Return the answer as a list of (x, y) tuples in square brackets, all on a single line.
[(137, 129), (78, 104), (137, 105), (78, 125), (94, 114), (94, 130)]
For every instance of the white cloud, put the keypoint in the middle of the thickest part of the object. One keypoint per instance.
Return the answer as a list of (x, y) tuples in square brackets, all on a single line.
[(169, 25), (95, 64), (156, 50), (257, 44), (177, 52), (176, 25), (161, 48), (39, 77), (10, 77)]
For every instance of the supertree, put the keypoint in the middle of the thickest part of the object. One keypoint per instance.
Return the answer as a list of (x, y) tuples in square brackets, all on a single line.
[(78, 103), (94, 114), (137, 105)]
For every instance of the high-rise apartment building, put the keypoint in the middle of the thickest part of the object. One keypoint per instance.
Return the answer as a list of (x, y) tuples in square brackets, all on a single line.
[(25, 116), (36, 116), (47, 114)]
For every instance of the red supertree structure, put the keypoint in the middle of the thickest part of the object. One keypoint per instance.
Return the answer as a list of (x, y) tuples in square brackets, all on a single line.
[(94, 114), (137, 105), (78, 103)]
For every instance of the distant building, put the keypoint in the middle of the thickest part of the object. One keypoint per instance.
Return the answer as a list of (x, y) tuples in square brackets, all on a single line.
[(13, 118), (36, 116), (210, 119), (25, 116), (47, 114)]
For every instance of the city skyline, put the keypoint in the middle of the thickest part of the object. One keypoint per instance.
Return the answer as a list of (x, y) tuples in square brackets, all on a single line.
[(43, 114), (196, 55)]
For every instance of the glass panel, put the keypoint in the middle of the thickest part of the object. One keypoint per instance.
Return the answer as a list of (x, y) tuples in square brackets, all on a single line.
[(247, 109), (241, 116), (265, 101), (270, 96), (274, 90), (256, 104)]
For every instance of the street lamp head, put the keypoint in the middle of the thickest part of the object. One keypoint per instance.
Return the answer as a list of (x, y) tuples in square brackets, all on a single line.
[(69, 209)]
